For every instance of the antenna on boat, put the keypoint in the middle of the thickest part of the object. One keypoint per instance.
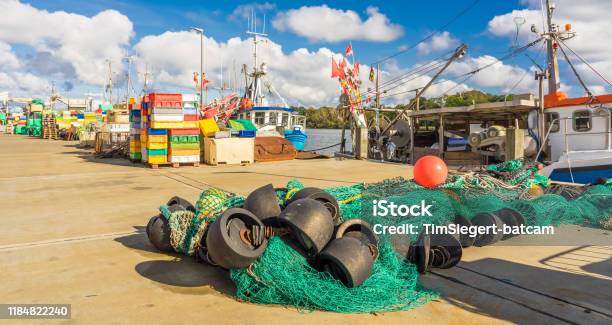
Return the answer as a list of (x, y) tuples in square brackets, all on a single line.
[(553, 34), (109, 83), (145, 85), (255, 90), (129, 85)]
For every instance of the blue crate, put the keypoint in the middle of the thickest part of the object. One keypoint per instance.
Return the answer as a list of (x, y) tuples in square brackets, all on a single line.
[(246, 133), (158, 131)]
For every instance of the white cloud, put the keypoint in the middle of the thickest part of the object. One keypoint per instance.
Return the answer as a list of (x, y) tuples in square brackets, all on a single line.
[(244, 11), (322, 23), (8, 59), (402, 91), (438, 42), (20, 83), (589, 19), (301, 76), (84, 42), (13, 80), (499, 75)]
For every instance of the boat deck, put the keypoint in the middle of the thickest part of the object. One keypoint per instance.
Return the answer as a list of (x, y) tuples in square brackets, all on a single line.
[(73, 232)]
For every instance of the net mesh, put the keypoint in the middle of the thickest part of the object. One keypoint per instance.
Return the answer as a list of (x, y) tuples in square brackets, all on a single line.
[(282, 276)]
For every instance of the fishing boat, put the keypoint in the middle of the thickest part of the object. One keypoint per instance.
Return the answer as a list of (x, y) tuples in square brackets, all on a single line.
[(576, 133), (270, 119), (579, 138)]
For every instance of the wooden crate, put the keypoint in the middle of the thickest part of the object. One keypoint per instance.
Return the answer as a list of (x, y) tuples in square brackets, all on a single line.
[(229, 151)]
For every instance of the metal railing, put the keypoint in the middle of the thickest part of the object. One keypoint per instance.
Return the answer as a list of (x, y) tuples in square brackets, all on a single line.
[(566, 135)]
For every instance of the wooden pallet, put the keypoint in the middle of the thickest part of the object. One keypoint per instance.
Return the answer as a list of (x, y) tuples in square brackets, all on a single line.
[(49, 127), (49, 133), (174, 165)]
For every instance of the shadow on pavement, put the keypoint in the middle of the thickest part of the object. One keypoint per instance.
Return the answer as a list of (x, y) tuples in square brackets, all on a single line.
[(522, 293), (181, 272)]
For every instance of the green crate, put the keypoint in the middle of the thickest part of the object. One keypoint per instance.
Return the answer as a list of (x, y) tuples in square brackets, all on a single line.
[(157, 152), (185, 145)]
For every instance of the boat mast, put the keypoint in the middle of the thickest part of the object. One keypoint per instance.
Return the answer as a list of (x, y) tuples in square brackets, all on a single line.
[(145, 87), (553, 34), (109, 83), (257, 72), (129, 60)]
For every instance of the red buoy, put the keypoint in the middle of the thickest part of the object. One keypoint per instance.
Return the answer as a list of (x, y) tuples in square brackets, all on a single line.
[(430, 171)]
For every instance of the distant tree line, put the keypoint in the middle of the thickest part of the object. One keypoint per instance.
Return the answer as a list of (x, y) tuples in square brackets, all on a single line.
[(331, 118)]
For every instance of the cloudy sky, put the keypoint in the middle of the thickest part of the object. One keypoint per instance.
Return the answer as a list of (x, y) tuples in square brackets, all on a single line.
[(68, 42)]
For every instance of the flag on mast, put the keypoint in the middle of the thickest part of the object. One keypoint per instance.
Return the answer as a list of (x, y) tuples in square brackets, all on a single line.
[(335, 72), (204, 81), (349, 50)]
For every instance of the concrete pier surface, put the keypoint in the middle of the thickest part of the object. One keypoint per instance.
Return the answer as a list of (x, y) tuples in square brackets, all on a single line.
[(72, 231)]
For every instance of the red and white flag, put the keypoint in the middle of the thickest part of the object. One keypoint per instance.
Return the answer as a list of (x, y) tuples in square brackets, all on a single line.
[(349, 50), (335, 72)]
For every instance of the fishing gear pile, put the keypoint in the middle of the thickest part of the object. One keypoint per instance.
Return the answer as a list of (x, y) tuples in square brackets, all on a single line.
[(291, 246)]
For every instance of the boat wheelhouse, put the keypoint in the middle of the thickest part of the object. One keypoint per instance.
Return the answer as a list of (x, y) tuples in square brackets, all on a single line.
[(578, 138)]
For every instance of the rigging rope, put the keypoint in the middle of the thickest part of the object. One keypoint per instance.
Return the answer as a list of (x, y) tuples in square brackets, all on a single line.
[(430, 35), (587, 63), (574, 69), (511, 54)]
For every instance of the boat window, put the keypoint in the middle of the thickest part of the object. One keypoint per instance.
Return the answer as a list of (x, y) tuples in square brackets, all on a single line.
[(549, 118), (260, 118), (273, 116), (285, 119), (582, 121)]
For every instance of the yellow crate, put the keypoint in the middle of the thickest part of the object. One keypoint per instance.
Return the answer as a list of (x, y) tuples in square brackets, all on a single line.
[(157, 159), (134, 143), (157, 138), (156, 145), (174, 125), (207, 126)]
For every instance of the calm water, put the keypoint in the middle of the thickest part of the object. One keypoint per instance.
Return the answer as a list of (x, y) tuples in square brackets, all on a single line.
[(319, 138)]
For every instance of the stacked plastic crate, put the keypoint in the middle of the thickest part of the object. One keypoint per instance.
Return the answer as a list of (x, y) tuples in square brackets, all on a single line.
[(157, 146), (163, 111), (169, 133), (135, 124), (144, 126), (184, 144)]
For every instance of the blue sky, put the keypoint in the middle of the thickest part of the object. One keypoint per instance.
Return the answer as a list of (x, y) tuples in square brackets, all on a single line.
[(418, 19), (72, 49)]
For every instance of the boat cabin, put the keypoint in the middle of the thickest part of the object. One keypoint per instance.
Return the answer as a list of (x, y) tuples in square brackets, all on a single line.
[(273, 118)]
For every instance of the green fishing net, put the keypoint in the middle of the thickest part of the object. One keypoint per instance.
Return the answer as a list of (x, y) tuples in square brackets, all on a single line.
[(282, 276)]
